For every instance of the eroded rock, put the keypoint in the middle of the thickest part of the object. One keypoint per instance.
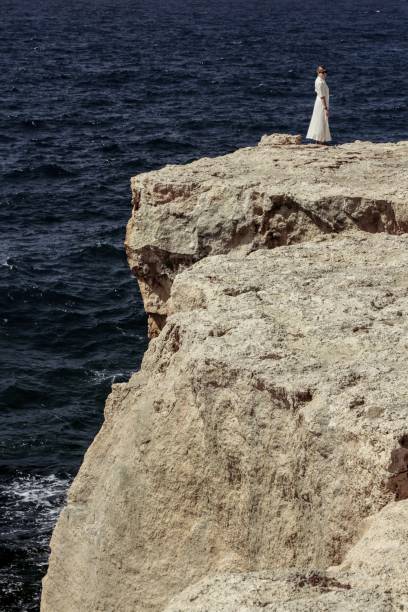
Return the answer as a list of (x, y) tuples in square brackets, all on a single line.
[(280, 139), (398, 481), (277, 193), (290, 591), (256, 437)]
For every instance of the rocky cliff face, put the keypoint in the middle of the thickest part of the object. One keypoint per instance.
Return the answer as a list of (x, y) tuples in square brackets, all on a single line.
[(258, 197), (258, 459)]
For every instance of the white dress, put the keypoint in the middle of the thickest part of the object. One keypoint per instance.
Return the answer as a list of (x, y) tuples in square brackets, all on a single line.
[(319, 123)]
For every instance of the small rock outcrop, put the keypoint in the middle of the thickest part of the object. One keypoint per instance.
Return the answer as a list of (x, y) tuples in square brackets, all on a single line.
[(248, 464), (280, 139)]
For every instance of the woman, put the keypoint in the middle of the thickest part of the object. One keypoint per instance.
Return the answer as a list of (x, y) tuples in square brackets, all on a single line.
[(319, 124)]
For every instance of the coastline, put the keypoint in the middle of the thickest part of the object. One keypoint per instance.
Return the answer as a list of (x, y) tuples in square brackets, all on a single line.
[(258, 431)]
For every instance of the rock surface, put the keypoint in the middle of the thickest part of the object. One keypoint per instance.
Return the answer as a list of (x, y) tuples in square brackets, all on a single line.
[(372, 577), (249, 460), (273, 194)]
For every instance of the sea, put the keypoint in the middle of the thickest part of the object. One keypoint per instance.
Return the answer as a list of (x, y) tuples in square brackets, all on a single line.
[(92, 93)]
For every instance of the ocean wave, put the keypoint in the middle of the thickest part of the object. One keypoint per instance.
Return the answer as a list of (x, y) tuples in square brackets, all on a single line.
[(32, 124), (111, 77), (7, 263), (111, 148), (100, 249), (5, 139), (29, 505), (47, 492), (103, 375), (163, 143), (20, 396), (96, 102), (42, 171), (389, 108)]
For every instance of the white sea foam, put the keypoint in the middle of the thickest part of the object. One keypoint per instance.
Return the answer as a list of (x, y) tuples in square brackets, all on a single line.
[(35, 488), (102, 375), (6, 264), (43, 494)]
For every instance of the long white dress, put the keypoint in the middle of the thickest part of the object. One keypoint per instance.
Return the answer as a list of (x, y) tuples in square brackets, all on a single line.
[(319, 123)]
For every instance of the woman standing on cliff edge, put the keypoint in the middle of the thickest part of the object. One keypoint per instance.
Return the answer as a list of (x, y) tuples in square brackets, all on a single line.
[(319, 124)]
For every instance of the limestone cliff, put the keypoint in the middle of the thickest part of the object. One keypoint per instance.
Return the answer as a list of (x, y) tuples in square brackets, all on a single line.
[(258, 197), (254, 460)]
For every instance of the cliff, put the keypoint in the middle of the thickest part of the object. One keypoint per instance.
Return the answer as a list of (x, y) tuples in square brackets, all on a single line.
[(259, 457), (258, 197)]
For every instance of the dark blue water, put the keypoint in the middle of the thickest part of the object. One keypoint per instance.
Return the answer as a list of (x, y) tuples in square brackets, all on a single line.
[(92, 93)]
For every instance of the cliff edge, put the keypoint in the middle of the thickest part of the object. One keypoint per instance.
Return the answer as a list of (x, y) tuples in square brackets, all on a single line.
[(279, 192), (258, 459)]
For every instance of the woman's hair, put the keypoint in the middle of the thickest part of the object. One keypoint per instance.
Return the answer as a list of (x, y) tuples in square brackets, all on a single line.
[(320, 66)]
